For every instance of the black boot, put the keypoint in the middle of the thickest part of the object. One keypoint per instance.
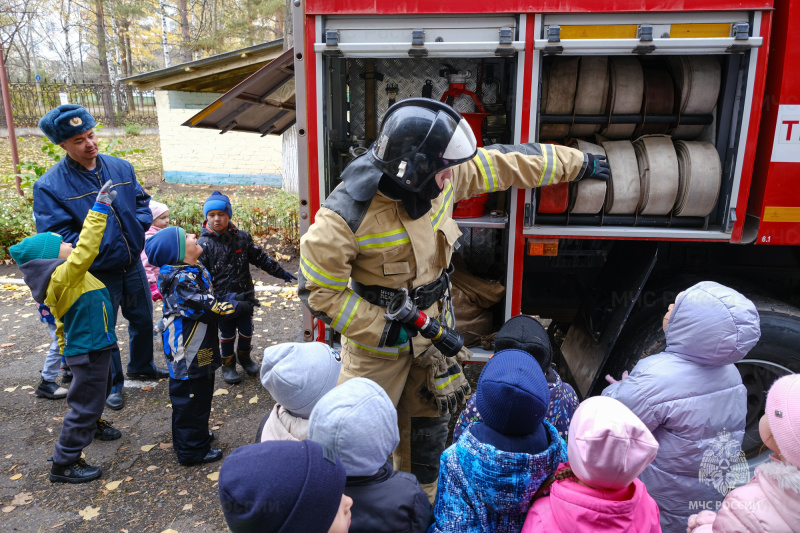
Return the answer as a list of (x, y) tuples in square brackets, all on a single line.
[(229, 373), (249, 366), (77, 472), (105, 431), (213, 455)]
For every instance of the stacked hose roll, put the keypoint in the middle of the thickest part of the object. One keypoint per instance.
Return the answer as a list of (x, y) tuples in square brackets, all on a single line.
[(626, 91), (587, 196), (622, 194), (698, 79), (592, 93), (659, 99), (700, 173), (658, 174), (558, 94)]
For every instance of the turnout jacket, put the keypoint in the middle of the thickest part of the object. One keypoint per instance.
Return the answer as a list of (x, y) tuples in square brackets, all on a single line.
[(64, 195), (228, 257), (377, 243), (190, 345), (79, 301)]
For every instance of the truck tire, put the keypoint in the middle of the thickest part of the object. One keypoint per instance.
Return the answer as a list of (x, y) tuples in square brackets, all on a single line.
[(775, 355)]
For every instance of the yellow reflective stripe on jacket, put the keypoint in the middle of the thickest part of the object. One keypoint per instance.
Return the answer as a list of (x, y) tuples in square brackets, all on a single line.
[(549, 167), (386, 350), (438, 216), (319, 277), (486, 168), (346, 313), (381, 240)]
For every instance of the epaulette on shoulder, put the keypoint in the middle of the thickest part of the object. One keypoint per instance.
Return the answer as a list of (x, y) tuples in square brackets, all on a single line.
[(352, 211)]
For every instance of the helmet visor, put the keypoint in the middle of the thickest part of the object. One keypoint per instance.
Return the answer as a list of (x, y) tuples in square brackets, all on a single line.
[(462, 145)]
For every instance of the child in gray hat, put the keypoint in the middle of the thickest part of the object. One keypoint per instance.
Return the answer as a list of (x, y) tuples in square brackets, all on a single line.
[(358, 422), (297, 375)]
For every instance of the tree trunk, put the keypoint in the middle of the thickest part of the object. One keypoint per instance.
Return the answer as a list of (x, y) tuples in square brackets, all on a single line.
[(105, 78), (65, 24), (291, 179), (164, 44), (186, 34), (128, 65)]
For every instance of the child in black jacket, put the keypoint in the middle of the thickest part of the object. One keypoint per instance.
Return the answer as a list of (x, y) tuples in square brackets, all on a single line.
[(228, 253), (189, 333)]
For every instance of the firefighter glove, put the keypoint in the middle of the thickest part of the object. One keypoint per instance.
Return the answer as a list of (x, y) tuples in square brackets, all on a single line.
[(597, 168), (445, 384)]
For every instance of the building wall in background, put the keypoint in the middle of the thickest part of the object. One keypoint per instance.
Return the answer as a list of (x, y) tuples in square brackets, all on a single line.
[(194, 155)]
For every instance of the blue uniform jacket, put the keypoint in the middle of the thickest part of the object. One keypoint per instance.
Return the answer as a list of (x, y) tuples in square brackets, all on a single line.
[(63, 196)]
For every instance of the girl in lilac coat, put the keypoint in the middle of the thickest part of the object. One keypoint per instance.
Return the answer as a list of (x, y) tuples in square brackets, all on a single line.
[(597, 490), (770, 503)]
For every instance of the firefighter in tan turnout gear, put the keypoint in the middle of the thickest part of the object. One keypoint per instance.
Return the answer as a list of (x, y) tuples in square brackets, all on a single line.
[(388, 226)]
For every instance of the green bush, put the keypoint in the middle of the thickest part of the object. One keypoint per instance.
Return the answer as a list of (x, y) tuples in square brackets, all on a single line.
[(131, 128), (274, 213), (16, 219)]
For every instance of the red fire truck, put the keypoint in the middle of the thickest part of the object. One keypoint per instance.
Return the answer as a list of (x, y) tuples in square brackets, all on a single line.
[(694, 103)]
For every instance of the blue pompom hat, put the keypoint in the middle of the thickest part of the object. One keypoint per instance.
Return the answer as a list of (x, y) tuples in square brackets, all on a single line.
[(166, 247), (217, 202), (65, 122)]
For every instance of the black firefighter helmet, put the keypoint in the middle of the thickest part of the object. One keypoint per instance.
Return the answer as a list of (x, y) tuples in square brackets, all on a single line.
[(419, 138)]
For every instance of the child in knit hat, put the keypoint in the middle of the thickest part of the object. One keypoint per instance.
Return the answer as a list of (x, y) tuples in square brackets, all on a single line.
[(771, 501), (160, 221), (296, 375), (597, 490), (189, 334), (228, 253), (284, 486), (490, 475), (358, 421), (525, 333), (59, 277)]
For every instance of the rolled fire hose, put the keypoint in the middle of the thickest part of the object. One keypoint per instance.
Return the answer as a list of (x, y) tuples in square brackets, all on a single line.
[(700, 174), (592, 94), (587, 196), (562, 78), (622, 195), (658, 172), (659, 99), (698, 79), (626, 94)]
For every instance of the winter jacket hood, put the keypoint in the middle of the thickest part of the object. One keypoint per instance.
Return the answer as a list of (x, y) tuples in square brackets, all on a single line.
[(283, 425), (770, 503), (228, 257), (37, 274), (575, 508), (63, 196), (150, 270), (712, 325), (484, 489), (387, 502)]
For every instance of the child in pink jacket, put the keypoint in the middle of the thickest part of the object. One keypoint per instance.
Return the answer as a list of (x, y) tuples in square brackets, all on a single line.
[(160, 221), (597, 490), (771, 501)]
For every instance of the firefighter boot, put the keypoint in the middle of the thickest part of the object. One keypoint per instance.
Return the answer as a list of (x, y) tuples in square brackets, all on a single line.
[(229, 373), (249, 366)]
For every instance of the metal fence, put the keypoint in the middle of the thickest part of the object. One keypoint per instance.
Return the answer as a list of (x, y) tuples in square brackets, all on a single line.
[(111, 105)]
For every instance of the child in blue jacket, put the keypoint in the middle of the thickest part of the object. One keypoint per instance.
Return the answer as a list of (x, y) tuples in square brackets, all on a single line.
[(189, 334)]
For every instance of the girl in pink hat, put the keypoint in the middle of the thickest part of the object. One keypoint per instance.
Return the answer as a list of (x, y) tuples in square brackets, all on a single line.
[(160, 221), (597, 490), (771, 501)]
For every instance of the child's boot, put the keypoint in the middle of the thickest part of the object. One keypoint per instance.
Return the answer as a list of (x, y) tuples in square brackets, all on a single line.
[(249, 366), (50, 389), (229, 373), (77, 472), (66, 373)]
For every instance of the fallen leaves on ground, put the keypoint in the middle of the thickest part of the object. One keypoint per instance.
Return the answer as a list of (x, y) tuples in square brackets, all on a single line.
[(220, 392), (112, 485), (15, 477), (23, 498), (89, 512), (148, 447), (213, 476), (254, 399)]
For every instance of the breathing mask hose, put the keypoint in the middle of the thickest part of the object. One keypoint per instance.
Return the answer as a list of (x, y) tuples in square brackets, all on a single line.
[(402, 308)]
